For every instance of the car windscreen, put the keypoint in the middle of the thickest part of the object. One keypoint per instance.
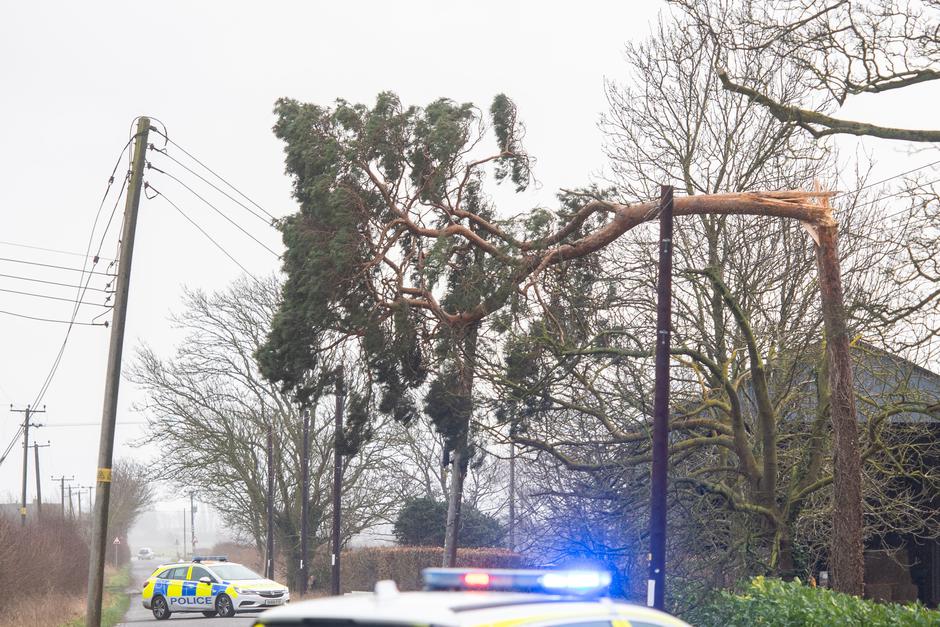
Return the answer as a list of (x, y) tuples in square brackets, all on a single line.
[(234, 571)]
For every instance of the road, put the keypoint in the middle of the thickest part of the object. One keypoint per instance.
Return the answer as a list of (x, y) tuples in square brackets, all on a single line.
[(137, 615)]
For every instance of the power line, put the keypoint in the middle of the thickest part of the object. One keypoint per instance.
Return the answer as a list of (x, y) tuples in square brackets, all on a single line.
[(67, 300), (201, 230), (80, 294), (897, 193), (95, 424), (51, 265), (35, 280), (211, 184), (890, 178), (216, 209), (213, 172), (39, 319), (49, 250), (9, 447)]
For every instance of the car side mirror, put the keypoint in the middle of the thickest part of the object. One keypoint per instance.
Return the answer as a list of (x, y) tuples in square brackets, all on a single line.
[(205, 580)]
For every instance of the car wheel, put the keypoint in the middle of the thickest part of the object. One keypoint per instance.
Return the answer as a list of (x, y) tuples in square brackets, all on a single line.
[(224, 606), (209, 614), (160, 609)]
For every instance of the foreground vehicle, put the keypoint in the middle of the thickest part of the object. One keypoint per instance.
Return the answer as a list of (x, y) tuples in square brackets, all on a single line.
[(211, 585), (456, 597)]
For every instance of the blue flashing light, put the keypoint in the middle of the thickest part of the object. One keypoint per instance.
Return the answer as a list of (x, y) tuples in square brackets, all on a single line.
[(566, 580), (210, 558), (563, 582)]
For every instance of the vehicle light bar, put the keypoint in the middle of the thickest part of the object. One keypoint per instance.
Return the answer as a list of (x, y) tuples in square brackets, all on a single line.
[(564, 582), (210, 558)]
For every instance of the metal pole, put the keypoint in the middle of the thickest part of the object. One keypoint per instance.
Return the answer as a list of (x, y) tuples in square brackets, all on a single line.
[(304, 500), (656, 586), (183, 545), (269, 563), (192, 520), (337, 481), (512, 496), (99, 534)]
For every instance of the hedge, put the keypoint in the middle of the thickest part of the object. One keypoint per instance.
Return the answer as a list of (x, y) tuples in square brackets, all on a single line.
[(773, 602), (362, 567)]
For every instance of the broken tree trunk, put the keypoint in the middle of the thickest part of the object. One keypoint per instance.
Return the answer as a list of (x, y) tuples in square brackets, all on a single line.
[(845, 550)]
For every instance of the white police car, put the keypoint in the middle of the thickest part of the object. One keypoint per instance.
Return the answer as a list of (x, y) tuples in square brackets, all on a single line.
[(211, 585), (456, 597)]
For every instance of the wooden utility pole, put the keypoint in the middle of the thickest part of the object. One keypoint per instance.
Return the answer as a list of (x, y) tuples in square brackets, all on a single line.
[(62, 481), (99, 534), (71, 505), (335, 587), (27, 414), (656, 586), (36, 447), (269, 562), (846, 550), (303, 575)]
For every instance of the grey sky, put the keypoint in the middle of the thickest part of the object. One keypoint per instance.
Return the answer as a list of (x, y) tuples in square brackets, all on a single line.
[(74, 75)]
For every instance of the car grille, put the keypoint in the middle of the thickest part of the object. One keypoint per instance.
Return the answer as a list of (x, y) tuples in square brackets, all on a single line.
[(271, 594)]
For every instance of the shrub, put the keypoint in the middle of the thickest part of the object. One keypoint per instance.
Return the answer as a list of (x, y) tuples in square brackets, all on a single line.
[(46, 556), (362, 567), (421, 522), (774, 602)]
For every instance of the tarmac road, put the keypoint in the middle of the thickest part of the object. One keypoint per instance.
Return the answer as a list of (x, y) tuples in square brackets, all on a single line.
[(140, 570)]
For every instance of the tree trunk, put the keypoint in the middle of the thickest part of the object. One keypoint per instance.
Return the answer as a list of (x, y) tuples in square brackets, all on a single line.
[(786, 567), (845, 551), (466, 367), (454, 500)]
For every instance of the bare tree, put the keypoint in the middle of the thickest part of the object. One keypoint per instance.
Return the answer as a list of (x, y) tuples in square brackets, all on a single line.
[(751, 414), (132, 493), (840, 48), (209, 410)]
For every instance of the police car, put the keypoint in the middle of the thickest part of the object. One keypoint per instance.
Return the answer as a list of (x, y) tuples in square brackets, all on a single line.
[(211, 585), (456, 597)]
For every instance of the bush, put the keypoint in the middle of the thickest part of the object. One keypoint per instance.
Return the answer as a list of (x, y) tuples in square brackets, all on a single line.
[(774, 602), (44, 557), (362, 567), (421, 522)]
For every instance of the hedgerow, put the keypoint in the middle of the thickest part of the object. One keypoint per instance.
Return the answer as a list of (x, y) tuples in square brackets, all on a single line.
[(362, 567), (772, 603)]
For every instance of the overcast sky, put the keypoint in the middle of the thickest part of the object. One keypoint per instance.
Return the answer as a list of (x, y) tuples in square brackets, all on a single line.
[(74, 75)]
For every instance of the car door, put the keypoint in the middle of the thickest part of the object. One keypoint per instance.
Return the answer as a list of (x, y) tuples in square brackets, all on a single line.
[(201, 592), (174, 589)]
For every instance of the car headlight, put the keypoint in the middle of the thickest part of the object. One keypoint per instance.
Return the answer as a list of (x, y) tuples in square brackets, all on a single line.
[(239, 590)]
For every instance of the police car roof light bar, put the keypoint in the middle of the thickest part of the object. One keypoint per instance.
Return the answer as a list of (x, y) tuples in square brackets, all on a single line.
[(210, 558), (563, 582)]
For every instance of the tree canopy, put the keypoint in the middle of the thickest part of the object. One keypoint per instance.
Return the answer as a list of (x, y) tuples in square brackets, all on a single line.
[(421, 523)]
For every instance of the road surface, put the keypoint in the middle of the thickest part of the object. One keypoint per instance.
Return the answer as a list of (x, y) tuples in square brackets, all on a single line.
[(137, 615)]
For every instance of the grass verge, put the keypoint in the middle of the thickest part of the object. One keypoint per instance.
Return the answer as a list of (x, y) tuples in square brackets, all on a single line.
[(115, 602)]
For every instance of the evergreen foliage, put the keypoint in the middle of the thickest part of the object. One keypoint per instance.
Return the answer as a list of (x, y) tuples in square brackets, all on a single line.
[(421, 523)]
